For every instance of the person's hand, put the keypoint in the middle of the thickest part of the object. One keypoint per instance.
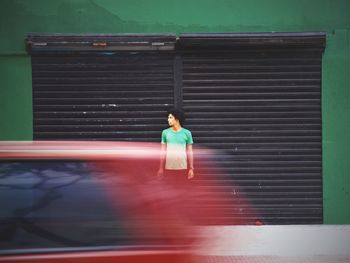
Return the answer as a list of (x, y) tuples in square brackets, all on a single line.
[(160, 173), (190, 174)]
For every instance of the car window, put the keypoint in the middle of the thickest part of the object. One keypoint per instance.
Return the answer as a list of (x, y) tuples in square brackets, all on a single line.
[(58, 204)]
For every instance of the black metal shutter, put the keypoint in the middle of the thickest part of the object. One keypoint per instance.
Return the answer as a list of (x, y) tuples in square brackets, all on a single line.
[(257, 98), (101, 87)]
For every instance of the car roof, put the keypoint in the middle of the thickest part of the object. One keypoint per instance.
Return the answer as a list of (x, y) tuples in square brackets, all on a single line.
[(78, 149)]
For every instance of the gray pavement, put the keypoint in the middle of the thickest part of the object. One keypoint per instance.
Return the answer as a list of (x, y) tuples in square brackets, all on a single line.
[(280, 243)]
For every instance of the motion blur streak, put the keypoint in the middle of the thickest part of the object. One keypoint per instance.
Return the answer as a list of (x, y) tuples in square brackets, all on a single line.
[(103, 202)]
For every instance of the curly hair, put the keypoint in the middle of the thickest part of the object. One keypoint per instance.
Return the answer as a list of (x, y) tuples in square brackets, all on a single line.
[(178, 114)]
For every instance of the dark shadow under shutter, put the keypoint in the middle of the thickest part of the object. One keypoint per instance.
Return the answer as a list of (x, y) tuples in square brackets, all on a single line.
[(101, 87), (257, 99)]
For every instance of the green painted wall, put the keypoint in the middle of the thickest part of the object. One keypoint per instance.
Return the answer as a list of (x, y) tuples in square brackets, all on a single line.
[(18, 17), (15, 98), (336, 127)]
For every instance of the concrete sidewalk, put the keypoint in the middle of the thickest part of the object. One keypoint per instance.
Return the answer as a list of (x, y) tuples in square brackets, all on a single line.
[(279, 243)]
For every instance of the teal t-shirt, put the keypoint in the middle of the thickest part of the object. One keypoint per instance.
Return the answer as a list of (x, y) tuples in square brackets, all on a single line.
[(176, 157)]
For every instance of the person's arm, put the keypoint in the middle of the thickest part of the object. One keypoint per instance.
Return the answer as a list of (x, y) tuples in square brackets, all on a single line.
[(189, 149), (162, 160)]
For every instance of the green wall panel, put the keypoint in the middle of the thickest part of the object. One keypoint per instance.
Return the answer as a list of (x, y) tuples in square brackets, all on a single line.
[(336, 126), (15, 98), (18, 17)]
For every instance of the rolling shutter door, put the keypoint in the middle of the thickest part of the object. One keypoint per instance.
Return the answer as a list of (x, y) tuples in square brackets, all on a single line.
[(257, 99), (101, 87)]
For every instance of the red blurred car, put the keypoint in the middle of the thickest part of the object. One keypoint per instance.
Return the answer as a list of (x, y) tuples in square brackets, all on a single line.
[(90, 202)]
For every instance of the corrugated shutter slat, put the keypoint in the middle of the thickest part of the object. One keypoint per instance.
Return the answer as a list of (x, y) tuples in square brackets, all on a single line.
[(101, 96)]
